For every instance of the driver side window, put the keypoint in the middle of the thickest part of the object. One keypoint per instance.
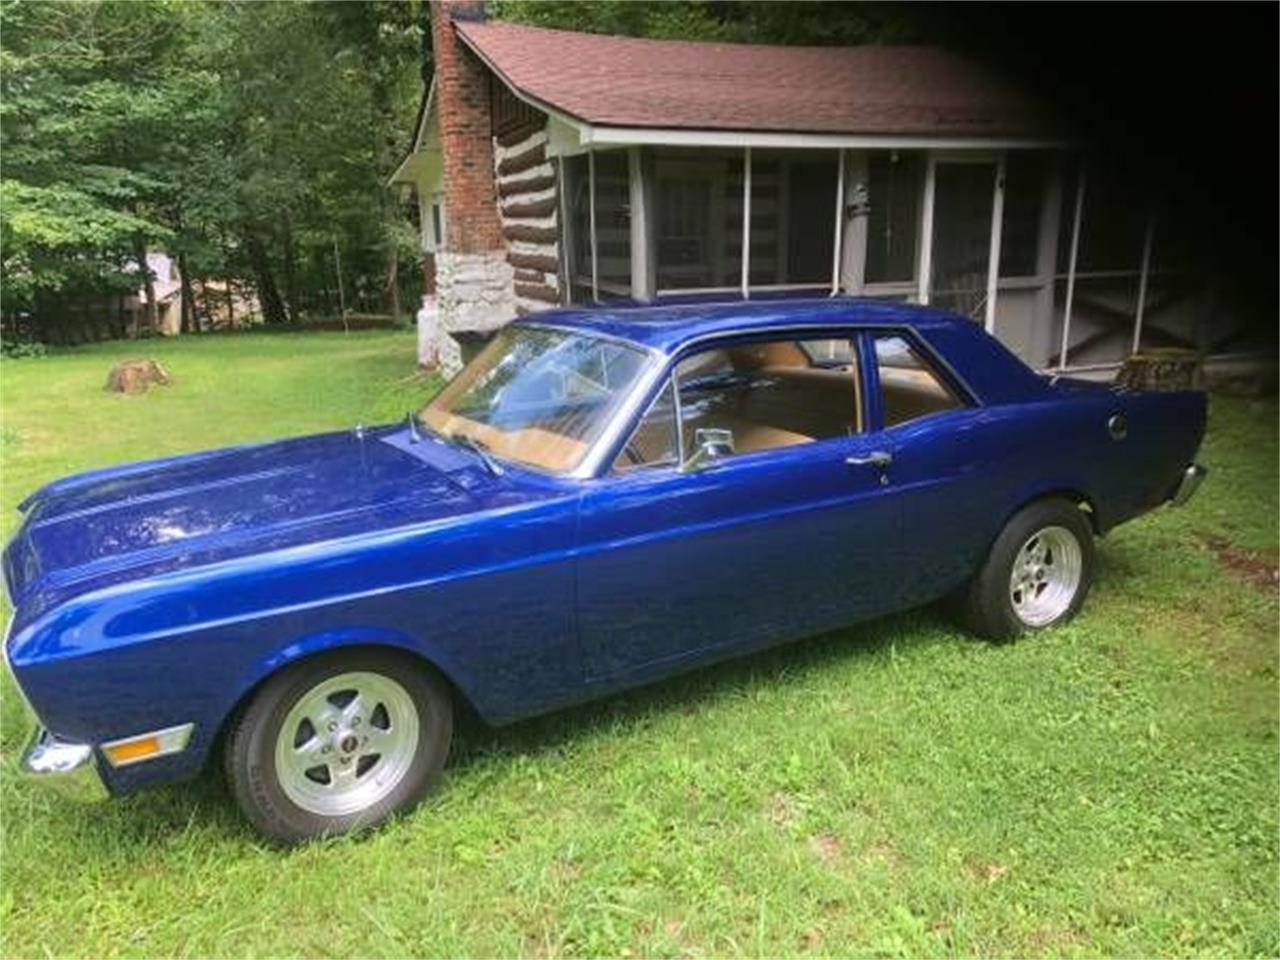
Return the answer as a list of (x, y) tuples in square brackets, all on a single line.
[(752, 396)]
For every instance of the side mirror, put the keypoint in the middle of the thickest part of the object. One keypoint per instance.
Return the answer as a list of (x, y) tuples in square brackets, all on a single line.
[(710, 444)]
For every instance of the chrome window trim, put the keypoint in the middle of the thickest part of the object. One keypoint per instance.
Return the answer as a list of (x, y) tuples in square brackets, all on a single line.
[(679, 414), (653, 402), (587, 332), (917, 339), (595, 464), (591, 465)]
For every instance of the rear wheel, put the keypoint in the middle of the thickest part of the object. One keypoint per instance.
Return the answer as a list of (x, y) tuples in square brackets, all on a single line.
[(339, 743), (1036, 575)]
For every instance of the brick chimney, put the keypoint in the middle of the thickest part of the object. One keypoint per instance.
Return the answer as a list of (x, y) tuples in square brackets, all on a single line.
[(466, 133), (474, 282)]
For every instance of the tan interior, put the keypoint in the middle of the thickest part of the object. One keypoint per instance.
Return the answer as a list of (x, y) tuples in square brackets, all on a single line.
[(788, 405), (790, 402), (547, 450), (908, 394)]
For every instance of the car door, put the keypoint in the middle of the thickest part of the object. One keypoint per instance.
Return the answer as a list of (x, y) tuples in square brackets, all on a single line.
[(783, 539), (946, 471)]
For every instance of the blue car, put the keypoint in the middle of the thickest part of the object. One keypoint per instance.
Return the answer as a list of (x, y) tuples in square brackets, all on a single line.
[(598, 500)]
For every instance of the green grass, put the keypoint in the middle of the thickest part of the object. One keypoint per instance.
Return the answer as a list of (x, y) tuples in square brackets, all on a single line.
[(891, 790)]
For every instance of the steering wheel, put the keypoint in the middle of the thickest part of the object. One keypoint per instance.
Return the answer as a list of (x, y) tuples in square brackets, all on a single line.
[(634, 456)]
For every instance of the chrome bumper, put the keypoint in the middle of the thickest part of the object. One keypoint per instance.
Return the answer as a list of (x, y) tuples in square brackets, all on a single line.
[(68, 768), (1192, 477)]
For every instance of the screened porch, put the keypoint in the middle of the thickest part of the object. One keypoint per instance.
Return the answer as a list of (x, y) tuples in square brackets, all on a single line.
[(1065, 265)]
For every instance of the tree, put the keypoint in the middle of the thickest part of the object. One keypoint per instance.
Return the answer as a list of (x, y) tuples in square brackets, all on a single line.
[(741, 21), (243, 138), (82, 103)]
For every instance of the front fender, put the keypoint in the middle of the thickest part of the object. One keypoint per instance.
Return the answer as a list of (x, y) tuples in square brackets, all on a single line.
[(187, 647)]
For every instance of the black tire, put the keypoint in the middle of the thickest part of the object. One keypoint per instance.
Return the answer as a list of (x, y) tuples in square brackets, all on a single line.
[(250, 750), (985, 604)]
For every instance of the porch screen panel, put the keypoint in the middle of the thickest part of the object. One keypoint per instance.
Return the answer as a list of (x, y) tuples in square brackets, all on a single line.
[(698, 219), (1114, 221), (895, 181), (577, 188), (793, 196), (1107, 267), (613, 225), (962, 236), (768, 219), (811, 212), (1024, 185)]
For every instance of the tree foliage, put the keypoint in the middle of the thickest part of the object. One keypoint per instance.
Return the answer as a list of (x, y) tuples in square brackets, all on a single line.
[(807, 22), (251, 141)]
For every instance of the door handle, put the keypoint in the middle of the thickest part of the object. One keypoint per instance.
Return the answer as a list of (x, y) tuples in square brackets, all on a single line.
[(876, 458)]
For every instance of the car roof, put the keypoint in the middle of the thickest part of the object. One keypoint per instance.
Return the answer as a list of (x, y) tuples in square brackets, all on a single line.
[(668, 327)]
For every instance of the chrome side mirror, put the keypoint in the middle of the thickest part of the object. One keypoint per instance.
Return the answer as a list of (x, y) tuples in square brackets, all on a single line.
[(710, 444)]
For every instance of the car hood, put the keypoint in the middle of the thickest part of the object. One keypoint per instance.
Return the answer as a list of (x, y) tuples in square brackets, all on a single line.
[(110, 525)]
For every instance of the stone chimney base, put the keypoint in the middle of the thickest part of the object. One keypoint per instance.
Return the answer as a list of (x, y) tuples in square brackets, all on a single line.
[(475, 293)]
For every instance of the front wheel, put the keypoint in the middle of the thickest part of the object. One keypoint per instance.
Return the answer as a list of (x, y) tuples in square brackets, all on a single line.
[(1036, 575), (339, 743)]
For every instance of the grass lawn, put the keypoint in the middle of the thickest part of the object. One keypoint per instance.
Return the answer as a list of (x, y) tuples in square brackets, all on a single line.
[(894, 789)]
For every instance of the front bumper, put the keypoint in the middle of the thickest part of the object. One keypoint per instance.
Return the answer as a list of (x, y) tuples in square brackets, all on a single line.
[(68, 768), (1192, 477)]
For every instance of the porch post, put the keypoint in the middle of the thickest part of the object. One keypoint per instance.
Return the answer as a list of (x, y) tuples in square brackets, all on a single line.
[(1142, 281), (853, 256), (746, 223), (564, 245), (1071, 269), (924, 268), (839, 228), (993, 253), (641, 262), (591, 203), (1047, 263)]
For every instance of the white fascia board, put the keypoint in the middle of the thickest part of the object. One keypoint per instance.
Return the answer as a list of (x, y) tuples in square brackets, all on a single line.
[(655, 136), (405, 172)]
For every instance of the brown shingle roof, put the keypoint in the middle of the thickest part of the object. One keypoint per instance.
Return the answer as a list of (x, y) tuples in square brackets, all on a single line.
[(628, 82)]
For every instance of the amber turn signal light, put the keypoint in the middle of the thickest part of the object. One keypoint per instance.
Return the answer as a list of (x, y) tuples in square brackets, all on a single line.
[(145, 746), (130, 750)]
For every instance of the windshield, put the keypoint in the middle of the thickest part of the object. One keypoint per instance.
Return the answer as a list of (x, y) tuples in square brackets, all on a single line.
[(537, 396)]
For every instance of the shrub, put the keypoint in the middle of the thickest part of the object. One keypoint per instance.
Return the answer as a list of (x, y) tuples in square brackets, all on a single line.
[(17, 349)]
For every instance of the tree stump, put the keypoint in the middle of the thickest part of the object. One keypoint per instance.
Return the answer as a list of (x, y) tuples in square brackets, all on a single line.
[(135, 376), (1166, 369)]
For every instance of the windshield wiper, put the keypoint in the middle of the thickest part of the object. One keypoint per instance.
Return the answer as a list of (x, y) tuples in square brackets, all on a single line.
[(479, 449)]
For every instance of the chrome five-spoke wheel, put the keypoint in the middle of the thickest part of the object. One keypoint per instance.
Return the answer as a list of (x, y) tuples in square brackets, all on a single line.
[(339, 742), (1036, 573), (346, 743), (1045, 576)]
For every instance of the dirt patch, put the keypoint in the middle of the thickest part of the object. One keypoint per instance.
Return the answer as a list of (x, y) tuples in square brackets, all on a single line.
[(782, 810), (1256, 567), (987, 872), (811, 939), (827, 848)]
